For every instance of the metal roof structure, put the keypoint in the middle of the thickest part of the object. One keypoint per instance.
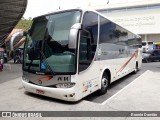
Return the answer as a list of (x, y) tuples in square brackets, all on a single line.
[(11, 12)]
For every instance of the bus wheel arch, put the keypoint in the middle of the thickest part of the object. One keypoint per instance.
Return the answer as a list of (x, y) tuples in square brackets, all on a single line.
[(108, 73), (105, 81)]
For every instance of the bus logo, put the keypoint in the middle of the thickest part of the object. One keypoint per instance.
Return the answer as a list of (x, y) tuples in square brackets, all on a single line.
[(6, 114), (63, 79)]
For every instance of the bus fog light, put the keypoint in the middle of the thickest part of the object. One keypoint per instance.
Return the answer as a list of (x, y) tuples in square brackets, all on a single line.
[(65, 85), (71, 95)]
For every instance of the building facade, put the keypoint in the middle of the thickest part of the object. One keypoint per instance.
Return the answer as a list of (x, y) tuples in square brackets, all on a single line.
[(142, 17)]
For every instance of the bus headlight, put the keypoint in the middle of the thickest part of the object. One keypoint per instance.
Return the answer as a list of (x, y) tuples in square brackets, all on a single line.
[(25, 79), (65, 85)]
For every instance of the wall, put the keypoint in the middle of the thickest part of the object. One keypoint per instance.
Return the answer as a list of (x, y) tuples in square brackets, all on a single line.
[(144, 20)]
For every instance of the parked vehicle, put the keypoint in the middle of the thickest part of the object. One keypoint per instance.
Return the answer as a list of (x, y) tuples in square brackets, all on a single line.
[(146, 45), (151, 55)]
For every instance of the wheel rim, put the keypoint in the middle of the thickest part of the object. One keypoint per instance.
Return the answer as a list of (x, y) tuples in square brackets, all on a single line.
[(104, 83)]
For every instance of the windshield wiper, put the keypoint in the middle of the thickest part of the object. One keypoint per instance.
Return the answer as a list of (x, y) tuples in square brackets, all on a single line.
[(45, 59)]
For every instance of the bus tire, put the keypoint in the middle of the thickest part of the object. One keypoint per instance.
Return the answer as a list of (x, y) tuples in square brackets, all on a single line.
[(136, 68), (104, 84)]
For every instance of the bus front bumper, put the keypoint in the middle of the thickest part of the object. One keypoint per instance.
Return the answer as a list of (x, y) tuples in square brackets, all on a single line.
[(67, 94)]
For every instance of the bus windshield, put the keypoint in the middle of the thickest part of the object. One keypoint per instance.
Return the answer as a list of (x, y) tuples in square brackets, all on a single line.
[(46, 47)]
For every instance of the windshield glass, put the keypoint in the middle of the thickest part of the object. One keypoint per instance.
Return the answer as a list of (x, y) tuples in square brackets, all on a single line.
[(46, 47)]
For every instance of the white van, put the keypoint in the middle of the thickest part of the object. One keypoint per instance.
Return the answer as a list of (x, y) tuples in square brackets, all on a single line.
[(147, 45)]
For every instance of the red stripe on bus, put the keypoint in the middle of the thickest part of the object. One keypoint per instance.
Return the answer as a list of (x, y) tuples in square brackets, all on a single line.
[(126, 63)]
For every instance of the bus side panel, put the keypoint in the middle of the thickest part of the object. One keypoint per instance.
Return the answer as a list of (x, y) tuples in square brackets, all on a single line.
[(106, 54), (88, 79), (112, 58), (139, 59)]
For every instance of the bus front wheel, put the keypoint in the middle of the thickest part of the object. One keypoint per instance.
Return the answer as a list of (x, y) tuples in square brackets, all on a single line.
[(104, 84)]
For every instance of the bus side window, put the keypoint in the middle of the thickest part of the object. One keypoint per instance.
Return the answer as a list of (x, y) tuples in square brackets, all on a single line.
[(88, 40), (84, 50)]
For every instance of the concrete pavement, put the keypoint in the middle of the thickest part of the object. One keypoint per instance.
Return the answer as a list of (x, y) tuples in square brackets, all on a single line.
[(143, 94), (140, 95), (11, 71)]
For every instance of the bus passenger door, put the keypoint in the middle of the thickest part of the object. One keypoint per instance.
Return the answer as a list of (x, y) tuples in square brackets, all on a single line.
[(88, 67)]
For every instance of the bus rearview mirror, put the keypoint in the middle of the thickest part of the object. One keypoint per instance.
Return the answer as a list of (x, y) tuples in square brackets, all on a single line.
[(73, 35)]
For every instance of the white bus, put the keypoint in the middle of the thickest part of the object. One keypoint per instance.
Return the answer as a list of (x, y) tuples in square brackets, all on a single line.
[(72, 53)]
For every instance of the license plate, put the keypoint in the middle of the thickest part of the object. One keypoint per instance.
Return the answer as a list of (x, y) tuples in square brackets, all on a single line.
[(40, 91)]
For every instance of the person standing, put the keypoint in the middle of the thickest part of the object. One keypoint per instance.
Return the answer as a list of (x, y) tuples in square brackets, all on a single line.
[(5, 57), (1, 66)]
